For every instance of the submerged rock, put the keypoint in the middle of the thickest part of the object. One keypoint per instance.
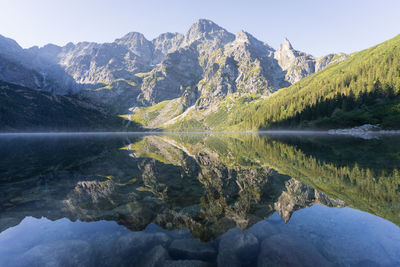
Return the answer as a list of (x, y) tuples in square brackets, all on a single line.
[(263, 230), (285, 250), (192, 249), (154, 258), (60, 253), (237, 248), (131, 245), (357, 251)]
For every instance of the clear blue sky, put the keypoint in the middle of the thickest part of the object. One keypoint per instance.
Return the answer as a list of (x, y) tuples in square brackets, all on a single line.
[(315, 26)]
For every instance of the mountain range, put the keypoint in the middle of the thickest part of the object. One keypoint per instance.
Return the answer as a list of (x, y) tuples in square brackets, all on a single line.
[(174, 81)]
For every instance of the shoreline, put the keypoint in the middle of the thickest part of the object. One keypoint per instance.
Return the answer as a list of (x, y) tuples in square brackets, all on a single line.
[(300, 132)]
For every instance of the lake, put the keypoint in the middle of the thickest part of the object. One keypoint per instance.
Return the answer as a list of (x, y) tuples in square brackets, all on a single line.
[(201, 199)]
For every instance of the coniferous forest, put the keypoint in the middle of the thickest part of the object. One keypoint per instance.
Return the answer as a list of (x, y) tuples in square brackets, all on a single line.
[(364, 89)]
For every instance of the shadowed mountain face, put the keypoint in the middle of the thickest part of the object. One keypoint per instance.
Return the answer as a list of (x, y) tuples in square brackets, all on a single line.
[(206, 183), (27, 110), (205, 64)]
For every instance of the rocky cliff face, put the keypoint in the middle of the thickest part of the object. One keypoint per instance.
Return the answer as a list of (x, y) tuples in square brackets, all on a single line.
[(164, 44), (201, 67), (299, 65), (12, 67)]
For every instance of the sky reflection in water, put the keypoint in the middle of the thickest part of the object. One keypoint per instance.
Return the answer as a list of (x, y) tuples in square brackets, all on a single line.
[(150, 199)]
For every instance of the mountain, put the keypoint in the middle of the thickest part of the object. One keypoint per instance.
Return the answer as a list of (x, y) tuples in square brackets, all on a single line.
[(11, 67), (299, 65), (363, 89), (212, 64), (195, 71), (25, 109)]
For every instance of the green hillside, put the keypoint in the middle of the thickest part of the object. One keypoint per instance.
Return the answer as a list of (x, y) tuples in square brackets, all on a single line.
[(363, 89)]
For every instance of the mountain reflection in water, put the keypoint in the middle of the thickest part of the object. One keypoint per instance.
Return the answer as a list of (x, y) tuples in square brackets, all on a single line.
[(193, 199)]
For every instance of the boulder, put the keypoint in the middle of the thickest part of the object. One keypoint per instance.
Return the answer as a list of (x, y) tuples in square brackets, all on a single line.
[(135, 243), (356, 251), (192, 249), (154, 258), (237, 248), (59, 253), (262, 230), (285, 250)]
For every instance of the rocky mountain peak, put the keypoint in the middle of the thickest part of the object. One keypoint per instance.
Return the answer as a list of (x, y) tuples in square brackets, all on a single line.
[(138, 71), (246, 45), (244, 37), (286, 45), (205, 29), (166, 43), (204, 26), (167, 36), (9, 46), (297, 64), (138, 44), (131, 37)]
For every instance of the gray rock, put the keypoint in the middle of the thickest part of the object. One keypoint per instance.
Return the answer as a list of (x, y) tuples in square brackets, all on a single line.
[(170, 79), (138, 45), (131, 245), (299, 65), (61, 253), (262, 230), (285, 250), (192, 249), (199, 68), (164, 44), (205, 30), (154, 258), (366, 131), (9, 47), (356, 251), (237, 248)]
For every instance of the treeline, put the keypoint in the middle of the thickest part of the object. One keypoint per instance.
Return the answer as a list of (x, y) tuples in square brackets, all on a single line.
[(375, 107), (362, 89)]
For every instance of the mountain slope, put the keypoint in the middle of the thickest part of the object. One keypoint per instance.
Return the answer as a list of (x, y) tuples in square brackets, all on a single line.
[(362, 89), (24, 109), (134, 72), (164, 79), (213, 66)]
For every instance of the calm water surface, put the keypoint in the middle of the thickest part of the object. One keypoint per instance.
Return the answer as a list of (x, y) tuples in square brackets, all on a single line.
[(199, 200)]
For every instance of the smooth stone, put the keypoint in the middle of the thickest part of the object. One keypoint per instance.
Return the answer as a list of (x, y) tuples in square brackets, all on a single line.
[(132, 244), (154, 258), (285, 250), (355, 250), (192, 249), (237, 248), (59, 253), (262, 230)]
